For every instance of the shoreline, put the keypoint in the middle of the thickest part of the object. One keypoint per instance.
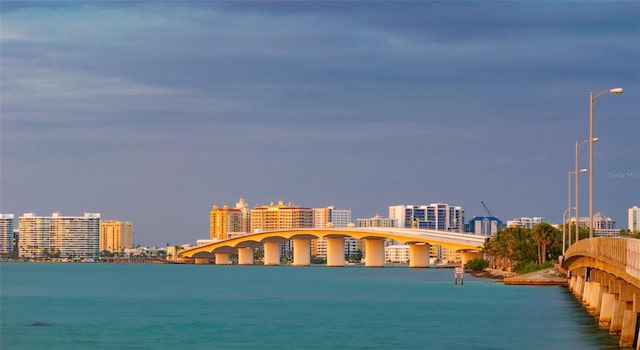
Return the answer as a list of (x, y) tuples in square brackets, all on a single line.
[(546, 277)]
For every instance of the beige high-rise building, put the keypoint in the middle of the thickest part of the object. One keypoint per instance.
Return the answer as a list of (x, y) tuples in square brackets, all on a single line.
[(277, 217), (116, 236), (244, 209), (224, 220)]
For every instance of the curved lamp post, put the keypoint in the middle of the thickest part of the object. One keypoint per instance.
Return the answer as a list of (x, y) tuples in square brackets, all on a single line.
[(592, 99)]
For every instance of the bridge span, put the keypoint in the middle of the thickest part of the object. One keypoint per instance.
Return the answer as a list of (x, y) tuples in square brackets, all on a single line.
[(605, 275), (419, 243)]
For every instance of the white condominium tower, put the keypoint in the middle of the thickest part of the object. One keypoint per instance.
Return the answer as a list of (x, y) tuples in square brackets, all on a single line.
[(6, 233), (526, 222), (634, 219), (61, 236), (436, 216)]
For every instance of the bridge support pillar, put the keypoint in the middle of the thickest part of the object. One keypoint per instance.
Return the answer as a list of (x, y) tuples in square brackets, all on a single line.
[(374, 252), (579, 286), (222, 259), (629, 315), (419, 255), (301, 252), (606, 309), (245, 256), (467, 256), (335, 251), (572, 284), (594, 299), (628, 328), (271, 253), (625, 294), (201, 261), (636, 310), (586, 293)]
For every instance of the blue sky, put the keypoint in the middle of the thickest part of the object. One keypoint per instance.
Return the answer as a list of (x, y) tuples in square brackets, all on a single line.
[(153, 111)]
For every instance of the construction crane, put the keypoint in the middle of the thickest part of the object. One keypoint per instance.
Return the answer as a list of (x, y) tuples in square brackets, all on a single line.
[(487, 209)]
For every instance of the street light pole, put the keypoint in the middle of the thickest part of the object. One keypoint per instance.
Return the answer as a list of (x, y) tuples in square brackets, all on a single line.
[(593, 99), (578, 144), (565, 223), (564, 229)]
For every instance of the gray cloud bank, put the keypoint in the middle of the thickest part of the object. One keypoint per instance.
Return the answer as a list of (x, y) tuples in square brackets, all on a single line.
[(152, 111)]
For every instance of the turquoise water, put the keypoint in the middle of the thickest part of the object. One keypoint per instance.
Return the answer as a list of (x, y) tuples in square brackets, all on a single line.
[(109, 306)]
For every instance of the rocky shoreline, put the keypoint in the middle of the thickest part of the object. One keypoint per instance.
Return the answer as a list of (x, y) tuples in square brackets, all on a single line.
[(547, 277)]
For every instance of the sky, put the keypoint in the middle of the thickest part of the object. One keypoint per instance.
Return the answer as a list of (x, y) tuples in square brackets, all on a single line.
[(151, 111)]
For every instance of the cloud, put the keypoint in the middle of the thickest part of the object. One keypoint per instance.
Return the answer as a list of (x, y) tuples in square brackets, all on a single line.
[(337, 102)]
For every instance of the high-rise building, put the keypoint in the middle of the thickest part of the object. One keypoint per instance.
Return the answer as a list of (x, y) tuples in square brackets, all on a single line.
[(225, 220), (436, 216), (602, 224), (526, 222), (116, 236), (485, 225), (244, 209), (35, 235), (59, 236), (335, 218), (6, 233), (279, 217), (377, 221), (321, 217), (339, 217), (76, 236), (634, 219)]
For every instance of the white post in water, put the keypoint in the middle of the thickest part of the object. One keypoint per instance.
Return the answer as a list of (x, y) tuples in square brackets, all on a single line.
[(458, 271)]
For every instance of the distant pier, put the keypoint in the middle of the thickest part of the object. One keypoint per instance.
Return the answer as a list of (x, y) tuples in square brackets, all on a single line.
[(132, 260)]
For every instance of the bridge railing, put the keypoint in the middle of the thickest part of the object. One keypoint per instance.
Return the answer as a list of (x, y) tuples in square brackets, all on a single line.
[(618, 251)]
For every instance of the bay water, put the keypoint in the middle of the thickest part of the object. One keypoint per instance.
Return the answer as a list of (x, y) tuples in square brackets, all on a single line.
[(138, 306)]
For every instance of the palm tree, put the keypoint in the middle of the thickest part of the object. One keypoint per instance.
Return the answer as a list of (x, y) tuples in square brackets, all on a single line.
[(544, 235)]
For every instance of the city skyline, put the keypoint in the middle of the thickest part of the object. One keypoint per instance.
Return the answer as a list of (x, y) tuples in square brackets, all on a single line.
[(155, 110)]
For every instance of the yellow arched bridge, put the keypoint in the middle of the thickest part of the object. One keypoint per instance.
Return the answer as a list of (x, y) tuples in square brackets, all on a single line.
[(418, 240), (605, 274)]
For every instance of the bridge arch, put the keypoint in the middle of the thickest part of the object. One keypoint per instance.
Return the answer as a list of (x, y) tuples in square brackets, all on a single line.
[(418, 241)]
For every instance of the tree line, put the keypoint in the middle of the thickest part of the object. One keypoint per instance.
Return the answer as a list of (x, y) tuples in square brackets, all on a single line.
[(513, 248), (516, 247)]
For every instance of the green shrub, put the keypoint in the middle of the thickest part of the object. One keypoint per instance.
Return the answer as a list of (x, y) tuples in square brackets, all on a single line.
[(476, 264)]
